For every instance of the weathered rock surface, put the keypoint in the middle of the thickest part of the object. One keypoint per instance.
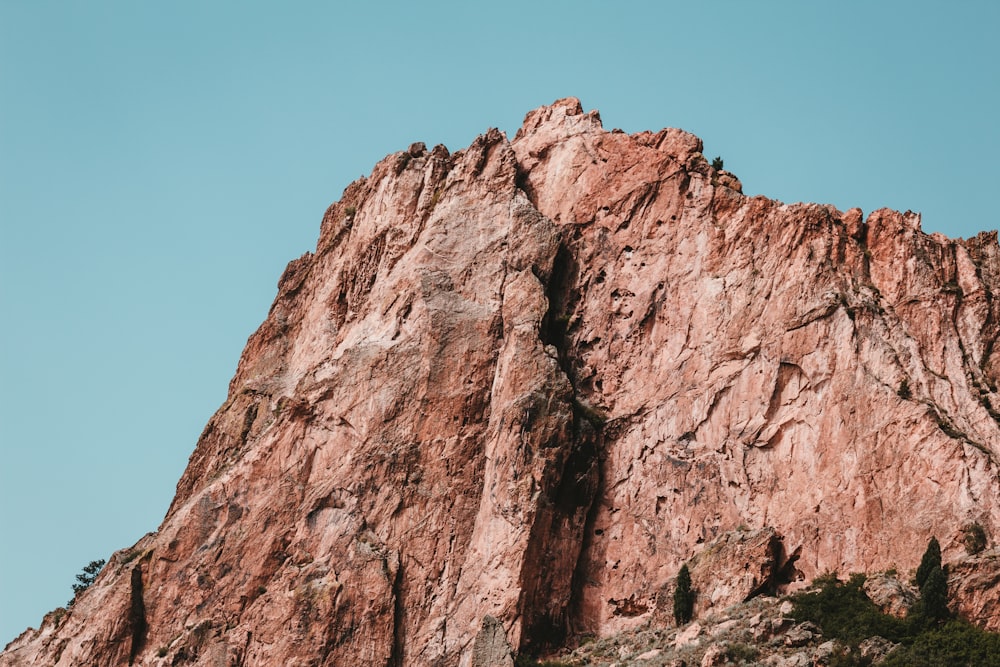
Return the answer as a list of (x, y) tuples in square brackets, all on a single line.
[(974, 585), (528, 380), (491, 648), (722, 637), (890, 594)]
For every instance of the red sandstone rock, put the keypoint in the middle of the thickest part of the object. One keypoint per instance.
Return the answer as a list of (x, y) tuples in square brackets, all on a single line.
[(528, 380), (974, 586)]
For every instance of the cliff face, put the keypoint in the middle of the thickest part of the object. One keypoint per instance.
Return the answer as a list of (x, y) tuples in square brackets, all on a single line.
[(516, 386)]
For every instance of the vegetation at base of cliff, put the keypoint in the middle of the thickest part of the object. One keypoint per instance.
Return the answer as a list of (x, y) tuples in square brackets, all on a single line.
[(930, 560), (927, 636), (683, 597), (526, 661), (955, 643), (843, 611), (740, 654), (932, 608)]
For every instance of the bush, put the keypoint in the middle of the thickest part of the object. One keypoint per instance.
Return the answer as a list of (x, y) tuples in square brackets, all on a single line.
[(844, 656), (931, 559), (742, 653), (904, 390), (956, 644), (928, 637), (974, 538), (683, 597), (844, 611), (717, 163), (528, 661)]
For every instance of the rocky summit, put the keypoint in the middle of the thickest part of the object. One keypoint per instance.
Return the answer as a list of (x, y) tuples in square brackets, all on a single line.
[(517, 386)]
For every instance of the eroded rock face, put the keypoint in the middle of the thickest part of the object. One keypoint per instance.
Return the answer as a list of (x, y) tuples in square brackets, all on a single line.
[(528, 380), (974, 585)]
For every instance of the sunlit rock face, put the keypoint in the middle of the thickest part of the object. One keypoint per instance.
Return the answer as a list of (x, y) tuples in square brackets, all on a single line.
[(517, 386)]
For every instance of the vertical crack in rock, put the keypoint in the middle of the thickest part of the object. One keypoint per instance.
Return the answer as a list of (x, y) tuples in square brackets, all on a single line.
[(557, 535), (556, 321), (398, 619), (136, 615)]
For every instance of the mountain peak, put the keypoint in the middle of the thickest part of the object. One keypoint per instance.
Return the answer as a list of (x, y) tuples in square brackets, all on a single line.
[(517, 386)]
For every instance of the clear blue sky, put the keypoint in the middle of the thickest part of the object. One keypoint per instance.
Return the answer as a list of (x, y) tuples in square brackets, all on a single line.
[(160, 162)]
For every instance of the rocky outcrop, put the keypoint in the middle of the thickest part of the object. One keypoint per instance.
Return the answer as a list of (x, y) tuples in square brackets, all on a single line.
[(491, 648), (757, 632), (528, 380), (891, 595), (974, 584)]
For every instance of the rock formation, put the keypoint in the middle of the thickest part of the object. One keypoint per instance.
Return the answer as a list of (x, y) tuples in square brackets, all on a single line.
[(517, 386)]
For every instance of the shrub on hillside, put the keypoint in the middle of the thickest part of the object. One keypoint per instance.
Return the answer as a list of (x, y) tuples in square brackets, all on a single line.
[(956, 644), (844, 611), (928, 637), (974, 538)]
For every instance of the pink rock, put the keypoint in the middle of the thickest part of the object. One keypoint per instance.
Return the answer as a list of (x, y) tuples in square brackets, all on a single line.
[(530, 379), (974, 586), (689, 635)]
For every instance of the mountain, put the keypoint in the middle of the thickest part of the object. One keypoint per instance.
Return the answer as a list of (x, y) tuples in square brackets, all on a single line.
[(517, 386)]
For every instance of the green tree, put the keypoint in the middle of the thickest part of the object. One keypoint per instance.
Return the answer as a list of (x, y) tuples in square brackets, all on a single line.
[(932, 608), (683, 597), (717, 163), (931, 560), (86, 578)]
